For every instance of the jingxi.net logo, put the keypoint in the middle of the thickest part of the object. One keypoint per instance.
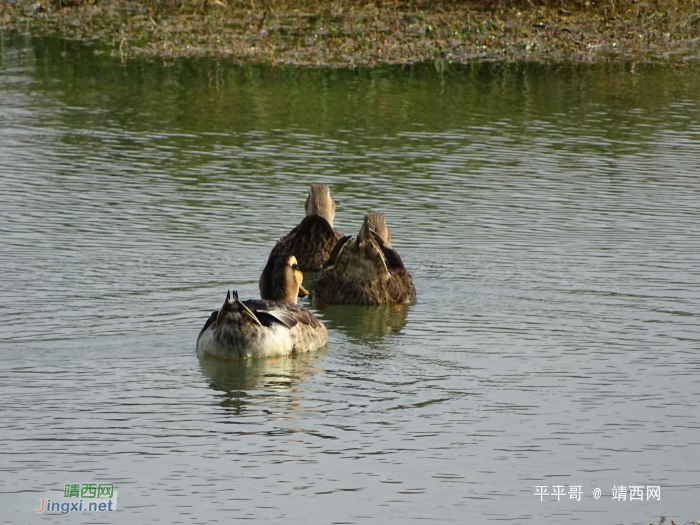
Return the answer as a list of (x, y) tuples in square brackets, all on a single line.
[(77, 497)]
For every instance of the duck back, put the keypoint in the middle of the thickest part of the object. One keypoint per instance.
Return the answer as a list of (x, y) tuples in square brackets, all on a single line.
[(363, 272), (311, 242)]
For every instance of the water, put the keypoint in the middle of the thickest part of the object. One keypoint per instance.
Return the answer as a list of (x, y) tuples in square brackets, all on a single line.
[(548, 214)]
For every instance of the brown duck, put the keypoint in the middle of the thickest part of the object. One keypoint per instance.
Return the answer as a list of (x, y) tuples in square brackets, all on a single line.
[(312, 241), (365, 270)]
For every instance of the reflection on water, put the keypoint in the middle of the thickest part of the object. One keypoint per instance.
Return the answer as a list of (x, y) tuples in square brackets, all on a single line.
[(280, 375), (368, 323), (549, 216)]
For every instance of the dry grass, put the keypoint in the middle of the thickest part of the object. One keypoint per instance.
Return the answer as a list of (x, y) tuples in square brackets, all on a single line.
[(350, 33)]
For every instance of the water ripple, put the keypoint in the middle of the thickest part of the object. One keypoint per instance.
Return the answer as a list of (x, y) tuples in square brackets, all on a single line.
[(554, 341)]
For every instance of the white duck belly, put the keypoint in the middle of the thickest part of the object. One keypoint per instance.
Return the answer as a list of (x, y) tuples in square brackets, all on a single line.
[(231, 342)]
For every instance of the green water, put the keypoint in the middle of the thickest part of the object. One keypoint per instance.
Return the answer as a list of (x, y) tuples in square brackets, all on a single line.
[(205, 96), (549, 216)]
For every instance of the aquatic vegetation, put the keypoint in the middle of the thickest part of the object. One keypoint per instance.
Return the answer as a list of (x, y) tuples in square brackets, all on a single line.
[(345, 33)]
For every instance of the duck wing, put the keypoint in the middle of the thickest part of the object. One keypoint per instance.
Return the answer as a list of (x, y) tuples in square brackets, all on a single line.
[(270, 318), (210, 321), (364, 259), (278, 312), (360, 260), (391, 256), (333, 257)]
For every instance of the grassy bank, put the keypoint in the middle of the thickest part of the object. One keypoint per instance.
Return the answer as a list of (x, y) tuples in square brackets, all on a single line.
[(345, 33)]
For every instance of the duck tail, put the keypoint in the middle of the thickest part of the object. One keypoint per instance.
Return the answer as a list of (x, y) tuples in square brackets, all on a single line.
[(245, 310), (227, 305)]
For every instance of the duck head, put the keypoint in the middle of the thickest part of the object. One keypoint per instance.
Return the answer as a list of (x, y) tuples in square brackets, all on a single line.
[(281, 279), (319, 202), (377, 222)]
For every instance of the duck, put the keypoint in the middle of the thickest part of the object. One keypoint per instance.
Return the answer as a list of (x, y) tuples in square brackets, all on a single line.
[(264, 327), (313, 239), (365, 270)]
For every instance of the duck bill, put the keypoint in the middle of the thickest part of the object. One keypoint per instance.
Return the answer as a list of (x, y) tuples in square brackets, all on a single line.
[(303, 292)]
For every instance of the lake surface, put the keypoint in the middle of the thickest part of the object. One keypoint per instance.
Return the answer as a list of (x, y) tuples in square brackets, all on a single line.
[(550, 217)]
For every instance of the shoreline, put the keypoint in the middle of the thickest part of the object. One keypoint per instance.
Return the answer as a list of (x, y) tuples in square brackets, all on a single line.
[(345, 34)]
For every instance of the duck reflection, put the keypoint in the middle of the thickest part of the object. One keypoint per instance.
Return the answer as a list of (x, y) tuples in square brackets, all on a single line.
[(366, 324), (242, 380)]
